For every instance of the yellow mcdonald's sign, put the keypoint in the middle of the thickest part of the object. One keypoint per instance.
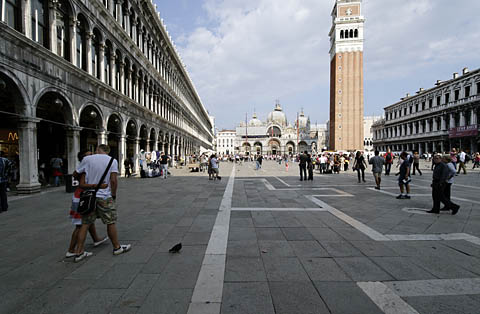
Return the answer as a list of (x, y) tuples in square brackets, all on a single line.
[(12, 136)]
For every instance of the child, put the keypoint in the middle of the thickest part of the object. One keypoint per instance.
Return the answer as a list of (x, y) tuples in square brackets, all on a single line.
[(76, 217)]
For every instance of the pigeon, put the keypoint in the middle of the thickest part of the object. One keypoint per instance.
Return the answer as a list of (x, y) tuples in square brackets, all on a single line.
[(176, 248)]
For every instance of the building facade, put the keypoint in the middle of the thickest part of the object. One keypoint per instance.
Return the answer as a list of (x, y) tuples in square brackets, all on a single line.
[(368, 121), (226, 142), (346, 76), (434, 120), (75, 74), (275, 136)]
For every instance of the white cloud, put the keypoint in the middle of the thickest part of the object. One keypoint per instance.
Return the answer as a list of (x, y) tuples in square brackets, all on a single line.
[(260, 50)]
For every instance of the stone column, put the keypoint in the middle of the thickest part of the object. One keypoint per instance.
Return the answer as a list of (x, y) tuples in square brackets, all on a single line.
[(122, 77), (130, 83), (52, 18), (444, 123), (102, 137), (435, 124), (27, 140), (136, 149), (111, 3), (473, 117), (452, 120), (442, 147), (148, 146), (462, 118), (119, 11), (140, 92), (426, 148), (102, 61), (420, 149), (89, 36), (427, 126), (113, 71), (122, 153), (73, 41), (73, 147)]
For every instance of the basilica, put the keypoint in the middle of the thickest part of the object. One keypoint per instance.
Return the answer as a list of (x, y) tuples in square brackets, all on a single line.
[(276, 136)]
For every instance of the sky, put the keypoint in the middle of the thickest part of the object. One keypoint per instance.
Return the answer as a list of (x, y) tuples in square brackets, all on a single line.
[(243, 55)]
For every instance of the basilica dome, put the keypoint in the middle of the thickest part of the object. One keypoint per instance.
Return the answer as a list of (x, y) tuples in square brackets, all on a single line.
[(277, 116), (255, 121)]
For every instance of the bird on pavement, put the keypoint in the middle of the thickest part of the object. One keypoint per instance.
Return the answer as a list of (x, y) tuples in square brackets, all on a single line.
[(176, 248)]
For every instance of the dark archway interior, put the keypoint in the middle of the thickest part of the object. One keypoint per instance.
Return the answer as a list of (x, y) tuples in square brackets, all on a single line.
[(11, 102), (114, 131), (91, 121), (143, 137), (131, 138), (54, 111)]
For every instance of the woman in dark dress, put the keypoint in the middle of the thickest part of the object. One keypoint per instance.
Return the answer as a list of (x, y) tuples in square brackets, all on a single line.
[(360, 165)]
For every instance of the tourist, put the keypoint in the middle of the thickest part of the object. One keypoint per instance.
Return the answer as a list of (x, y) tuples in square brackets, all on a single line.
[(461, 162), (448, 188), (342, 163), (347, 162), (259, 161), (453, 154), (56, 163), (359, 165), (303, 165), (440, 177), (75, 217), (5, 168), (404, 177), (377, 163), (310, 167), (389, 157), (416, 163), (476, 161), (94, 166), (323, 164), (214, 163), (126, 164), (164, 158)]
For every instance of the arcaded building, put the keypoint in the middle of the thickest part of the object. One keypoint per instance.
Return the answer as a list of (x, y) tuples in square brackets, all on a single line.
[(75, 74), (436, 119), (346, 76)]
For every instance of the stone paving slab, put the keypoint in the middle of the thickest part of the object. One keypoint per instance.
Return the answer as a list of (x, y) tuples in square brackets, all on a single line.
[(284, 259)]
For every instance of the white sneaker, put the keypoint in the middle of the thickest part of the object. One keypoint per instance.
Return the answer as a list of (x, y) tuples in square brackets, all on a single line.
[(95, 244), (68, 255), (82, 256), (124, 248)]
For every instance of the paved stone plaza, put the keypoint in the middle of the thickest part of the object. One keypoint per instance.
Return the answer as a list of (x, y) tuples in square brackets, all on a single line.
[(254, 242)]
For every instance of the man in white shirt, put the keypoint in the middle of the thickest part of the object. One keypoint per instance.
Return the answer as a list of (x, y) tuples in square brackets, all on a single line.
[(94, 166), (461, 162)]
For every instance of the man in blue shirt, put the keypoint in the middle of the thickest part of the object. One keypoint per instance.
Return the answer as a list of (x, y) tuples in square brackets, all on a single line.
[(5, 168)]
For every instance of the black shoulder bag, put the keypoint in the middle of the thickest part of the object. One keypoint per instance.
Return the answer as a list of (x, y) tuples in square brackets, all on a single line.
[(88, 198)]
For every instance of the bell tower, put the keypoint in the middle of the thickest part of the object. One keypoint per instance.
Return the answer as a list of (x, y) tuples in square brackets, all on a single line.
[(346, 76)]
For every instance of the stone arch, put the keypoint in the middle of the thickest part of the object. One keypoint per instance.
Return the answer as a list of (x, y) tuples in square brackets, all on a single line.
[(71, 117), (11, 80)]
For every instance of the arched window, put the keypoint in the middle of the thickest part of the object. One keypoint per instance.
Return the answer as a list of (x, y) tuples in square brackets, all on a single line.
[(355, 33), (63, 35), (134, 85), (351, 33), (95, 44), (106, 4), (114, 9), (125, 15), (126, 69), (12, 14), (39, 11), (132, 24), (81, 44), (346, 33), (118, 64), (341, 34)]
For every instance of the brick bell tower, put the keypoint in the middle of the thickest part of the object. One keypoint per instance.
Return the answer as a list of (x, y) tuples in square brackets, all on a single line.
[(346, 76)]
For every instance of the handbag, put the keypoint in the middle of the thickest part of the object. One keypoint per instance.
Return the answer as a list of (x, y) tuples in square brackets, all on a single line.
[(88, 198)]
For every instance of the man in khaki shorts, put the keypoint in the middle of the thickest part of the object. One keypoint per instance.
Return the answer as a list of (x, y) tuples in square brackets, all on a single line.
[(94, 166), (377, 163)]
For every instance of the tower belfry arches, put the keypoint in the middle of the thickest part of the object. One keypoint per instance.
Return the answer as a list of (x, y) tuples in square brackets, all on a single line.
[(346, 76)]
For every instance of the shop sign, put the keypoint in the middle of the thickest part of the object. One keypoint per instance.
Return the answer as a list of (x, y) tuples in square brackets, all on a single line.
[(8, 136), (463, 131)]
